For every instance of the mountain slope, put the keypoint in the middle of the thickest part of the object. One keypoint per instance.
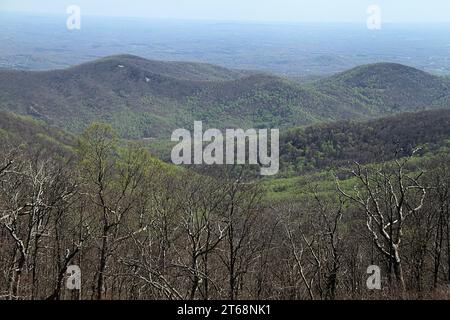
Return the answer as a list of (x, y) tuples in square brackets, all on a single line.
[(16, 130), (386, 88), (343, 142), (144, 98)]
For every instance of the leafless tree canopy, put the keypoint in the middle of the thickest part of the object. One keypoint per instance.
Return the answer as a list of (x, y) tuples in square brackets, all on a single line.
[(140, 229)]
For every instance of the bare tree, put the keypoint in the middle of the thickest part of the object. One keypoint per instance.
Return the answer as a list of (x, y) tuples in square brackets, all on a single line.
[(388, 196), (240, 244), (440, 207), (314, 239), (112, 177), (32, 190)]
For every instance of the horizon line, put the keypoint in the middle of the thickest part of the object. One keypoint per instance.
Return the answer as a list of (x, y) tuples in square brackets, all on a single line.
[(250, 21)]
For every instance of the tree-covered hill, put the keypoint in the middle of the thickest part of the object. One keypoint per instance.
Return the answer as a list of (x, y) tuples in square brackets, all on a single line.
[(144, 98), (17, 130), (387, 88), (344, 142)]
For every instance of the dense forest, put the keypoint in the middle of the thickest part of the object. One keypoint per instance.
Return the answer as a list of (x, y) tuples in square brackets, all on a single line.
[(139, 228), (333, 145)]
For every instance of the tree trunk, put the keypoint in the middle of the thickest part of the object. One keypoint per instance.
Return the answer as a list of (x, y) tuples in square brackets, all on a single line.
[(102, 264), (398, 272), (15, 278)]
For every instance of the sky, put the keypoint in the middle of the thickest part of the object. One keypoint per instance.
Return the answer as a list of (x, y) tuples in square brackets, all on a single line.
[(329, 11)]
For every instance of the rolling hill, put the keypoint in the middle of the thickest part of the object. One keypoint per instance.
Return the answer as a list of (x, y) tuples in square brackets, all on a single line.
[(341, 143), (388, 88), (143, 98), (17, 130)]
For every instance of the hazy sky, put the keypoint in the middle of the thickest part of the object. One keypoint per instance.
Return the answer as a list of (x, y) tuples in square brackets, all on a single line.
[(400, 11)]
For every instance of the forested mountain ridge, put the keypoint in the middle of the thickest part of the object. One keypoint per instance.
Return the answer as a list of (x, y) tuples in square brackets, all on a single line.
[(344, 142), (388, 87), (144, 98)]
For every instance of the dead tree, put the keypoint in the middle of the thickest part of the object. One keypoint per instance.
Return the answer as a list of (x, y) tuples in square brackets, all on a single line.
[(388, 196), (329, 231)]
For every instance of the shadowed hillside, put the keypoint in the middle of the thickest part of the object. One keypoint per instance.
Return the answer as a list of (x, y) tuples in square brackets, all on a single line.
[(344, 142)]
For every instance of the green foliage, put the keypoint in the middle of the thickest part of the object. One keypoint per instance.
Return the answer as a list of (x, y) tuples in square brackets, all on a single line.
[(97, 150), (149, 99), (339, 144), (34, 134)]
